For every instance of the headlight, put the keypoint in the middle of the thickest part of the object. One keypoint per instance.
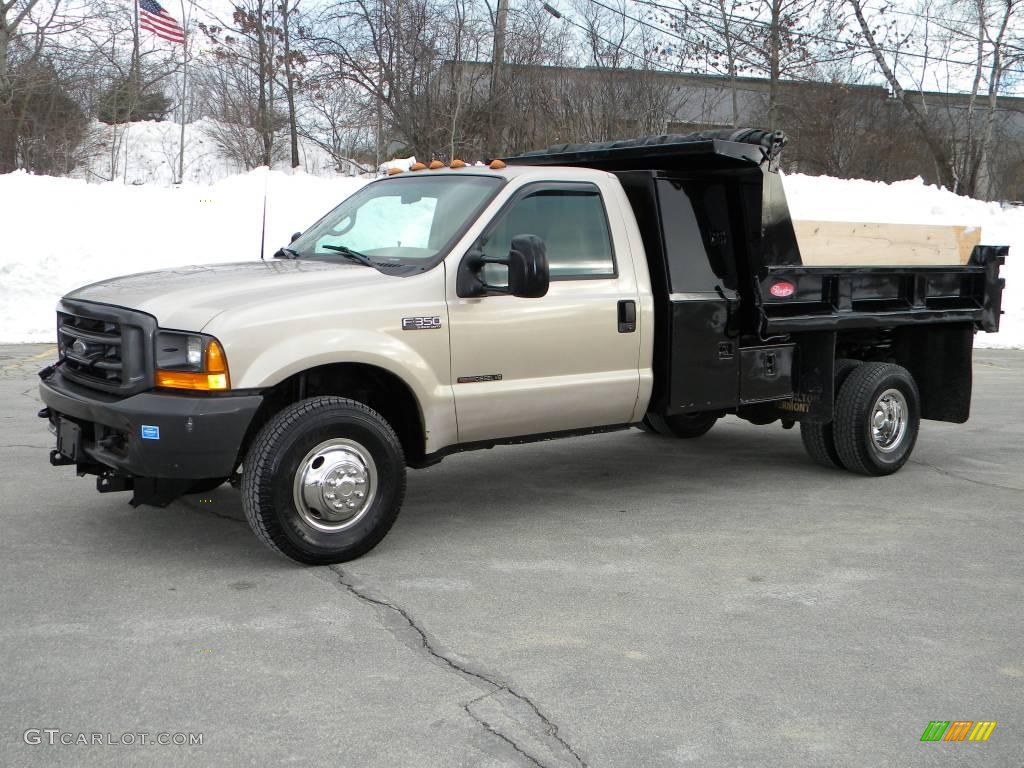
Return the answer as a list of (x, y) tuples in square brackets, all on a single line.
[(190, 361)]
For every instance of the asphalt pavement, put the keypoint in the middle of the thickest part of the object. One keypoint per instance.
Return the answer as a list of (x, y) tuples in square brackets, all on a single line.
[(620, 600)]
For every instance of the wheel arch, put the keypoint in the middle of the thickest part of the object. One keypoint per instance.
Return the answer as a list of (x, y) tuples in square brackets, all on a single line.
[(379, 388)]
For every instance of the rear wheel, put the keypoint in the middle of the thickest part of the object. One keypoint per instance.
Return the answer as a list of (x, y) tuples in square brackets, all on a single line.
[(878, 413), (684, 425), (324, 480), (819, 439)]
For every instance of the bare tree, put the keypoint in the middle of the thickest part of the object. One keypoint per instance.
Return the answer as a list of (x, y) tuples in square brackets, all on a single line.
[(992, 21), (929, 132), (289, 60)]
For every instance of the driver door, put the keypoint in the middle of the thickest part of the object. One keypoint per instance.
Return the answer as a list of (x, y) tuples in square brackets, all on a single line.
[(566, 361)]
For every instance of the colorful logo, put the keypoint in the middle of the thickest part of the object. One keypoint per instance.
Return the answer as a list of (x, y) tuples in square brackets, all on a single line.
[(958, 730)]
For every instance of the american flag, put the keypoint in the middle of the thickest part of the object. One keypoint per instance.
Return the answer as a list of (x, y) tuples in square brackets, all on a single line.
[(153, 17)]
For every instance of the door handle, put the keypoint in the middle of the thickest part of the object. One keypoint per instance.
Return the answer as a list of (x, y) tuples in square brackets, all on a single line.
[(627, 316)]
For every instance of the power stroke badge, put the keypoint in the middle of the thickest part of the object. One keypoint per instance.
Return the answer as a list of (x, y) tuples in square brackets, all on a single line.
[(421, 323)]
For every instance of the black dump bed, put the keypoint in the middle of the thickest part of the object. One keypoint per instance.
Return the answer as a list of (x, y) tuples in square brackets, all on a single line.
[(667, 151), (729, 282), (731, 180)]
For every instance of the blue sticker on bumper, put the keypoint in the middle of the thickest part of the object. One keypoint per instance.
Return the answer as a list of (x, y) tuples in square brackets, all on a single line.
[(150, 433)]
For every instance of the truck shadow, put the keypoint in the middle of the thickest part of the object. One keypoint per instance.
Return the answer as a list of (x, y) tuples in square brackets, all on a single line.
[(530, 484), (524, 491)]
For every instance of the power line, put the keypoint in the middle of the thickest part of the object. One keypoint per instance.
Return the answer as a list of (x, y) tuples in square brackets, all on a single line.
[(849, 45), (618, 46)]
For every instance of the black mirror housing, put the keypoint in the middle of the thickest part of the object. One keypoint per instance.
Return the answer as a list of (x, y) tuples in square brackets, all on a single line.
[(295, 237), (528, 272)]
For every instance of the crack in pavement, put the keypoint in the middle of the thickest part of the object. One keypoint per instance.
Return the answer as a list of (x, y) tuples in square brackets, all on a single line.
[(958, 476), (557, 746), (23, 445), (495, 732)]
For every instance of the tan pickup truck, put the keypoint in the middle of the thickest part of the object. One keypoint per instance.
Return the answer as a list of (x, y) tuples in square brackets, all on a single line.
[(655, 283)]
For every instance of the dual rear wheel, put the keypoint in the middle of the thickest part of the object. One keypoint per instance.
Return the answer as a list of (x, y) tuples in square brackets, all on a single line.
[(876, 419)]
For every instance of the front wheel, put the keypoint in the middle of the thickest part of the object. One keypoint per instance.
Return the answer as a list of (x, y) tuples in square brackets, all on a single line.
[(324, 480), (877, 416)]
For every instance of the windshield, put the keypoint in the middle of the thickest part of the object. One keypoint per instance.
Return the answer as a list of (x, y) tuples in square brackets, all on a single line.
[(410, 220)]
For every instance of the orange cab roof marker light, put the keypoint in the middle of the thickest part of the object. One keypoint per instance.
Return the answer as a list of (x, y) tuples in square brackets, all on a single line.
[(417, 167), (394, 171), (458, 164), (435, 164), (496, 165)]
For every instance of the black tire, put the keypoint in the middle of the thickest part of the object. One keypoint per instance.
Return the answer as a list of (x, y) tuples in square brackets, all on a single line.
[(819, 439), (205, 485), (276, 510), (685, 425), (863, 389)]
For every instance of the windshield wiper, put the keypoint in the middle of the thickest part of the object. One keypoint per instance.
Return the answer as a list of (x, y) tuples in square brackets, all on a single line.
[(286, 253), (344, 250)]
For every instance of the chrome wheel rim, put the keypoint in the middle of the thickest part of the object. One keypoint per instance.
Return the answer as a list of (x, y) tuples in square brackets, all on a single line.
[(888, 420), (335, 485)]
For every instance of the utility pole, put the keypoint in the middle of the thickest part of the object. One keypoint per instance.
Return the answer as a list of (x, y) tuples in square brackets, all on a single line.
[(497, 62), (774, 45), (380, 117)]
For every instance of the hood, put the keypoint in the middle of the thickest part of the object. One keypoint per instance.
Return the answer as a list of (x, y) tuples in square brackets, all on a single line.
[(188, 298)]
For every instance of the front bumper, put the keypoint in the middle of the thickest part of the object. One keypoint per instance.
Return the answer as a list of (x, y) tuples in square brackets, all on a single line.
[(152, 434)]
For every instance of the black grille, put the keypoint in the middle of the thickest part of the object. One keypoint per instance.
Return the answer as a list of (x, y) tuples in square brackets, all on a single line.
[(106, 347), (91, 348)]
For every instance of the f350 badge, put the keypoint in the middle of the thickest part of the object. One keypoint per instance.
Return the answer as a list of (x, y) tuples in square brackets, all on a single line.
[(421, 323)]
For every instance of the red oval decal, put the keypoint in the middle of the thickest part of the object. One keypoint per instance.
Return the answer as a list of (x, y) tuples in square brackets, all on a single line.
[(782, 289)]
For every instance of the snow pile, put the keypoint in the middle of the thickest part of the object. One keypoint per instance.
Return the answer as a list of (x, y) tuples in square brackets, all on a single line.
[(63, 233), (399, 163), (822, 198), (60, 234), (146, 152)]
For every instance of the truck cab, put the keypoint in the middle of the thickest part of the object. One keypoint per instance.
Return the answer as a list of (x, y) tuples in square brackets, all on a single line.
[(653, 283)]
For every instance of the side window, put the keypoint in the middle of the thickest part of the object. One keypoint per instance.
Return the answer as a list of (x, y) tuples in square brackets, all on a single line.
[(573, 225)]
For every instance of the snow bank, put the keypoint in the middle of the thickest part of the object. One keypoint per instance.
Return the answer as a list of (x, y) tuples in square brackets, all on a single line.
[(399, 163), (146, 152), (62, 233), (59, 234), (822, 198)]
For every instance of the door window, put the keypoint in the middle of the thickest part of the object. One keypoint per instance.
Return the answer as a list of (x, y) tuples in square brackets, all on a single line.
[(572, 222)]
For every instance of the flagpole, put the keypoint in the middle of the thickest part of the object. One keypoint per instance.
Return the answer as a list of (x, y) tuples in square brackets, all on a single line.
[(135, 54), (184, 93), (134, 88)]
